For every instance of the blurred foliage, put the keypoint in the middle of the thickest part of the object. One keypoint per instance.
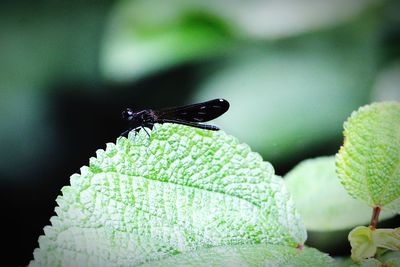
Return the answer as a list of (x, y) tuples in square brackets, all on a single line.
[(325, 205), (136, 45), (57, 42), (327, 209), (294, 95), (275, 62), (386, 86), (141, 38)]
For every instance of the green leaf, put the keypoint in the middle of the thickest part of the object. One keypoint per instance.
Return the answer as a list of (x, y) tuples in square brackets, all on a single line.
[(365, 241), (178, 190), (368, 163), (248, 255), (322, 201), (362, 244)]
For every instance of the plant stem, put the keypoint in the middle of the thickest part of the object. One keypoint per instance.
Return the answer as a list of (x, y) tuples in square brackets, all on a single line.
[(375, 217)]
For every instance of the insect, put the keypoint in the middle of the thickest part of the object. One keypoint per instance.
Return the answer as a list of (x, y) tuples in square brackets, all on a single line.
[(190, 115)]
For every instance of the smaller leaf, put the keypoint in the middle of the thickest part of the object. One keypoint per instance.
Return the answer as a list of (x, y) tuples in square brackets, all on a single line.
[(362, 244), (365, 241), (368, 163), (247, 255), (388, 238)]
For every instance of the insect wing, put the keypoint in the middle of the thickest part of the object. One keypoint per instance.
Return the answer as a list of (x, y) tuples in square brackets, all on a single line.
[(200, 112)]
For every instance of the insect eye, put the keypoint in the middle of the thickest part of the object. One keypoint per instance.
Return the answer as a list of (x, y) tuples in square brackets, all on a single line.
[(127, 114)]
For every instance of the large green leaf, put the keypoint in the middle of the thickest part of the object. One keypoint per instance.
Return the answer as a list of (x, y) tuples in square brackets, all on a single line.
[(322, 201), (368, 163), (174, 191), (248, 255)]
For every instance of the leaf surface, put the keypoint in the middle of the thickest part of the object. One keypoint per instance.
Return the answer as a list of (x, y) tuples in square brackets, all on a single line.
[(178, 190), (247, 255), (368, 164)]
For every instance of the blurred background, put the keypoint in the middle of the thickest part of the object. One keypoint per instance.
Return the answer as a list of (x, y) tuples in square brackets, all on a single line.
[(293, 71)]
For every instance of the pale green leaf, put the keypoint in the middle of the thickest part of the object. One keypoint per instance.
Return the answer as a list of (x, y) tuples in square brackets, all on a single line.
[(247, 255), (365, 241), (368, 163), (362, 243), (322, 201), (178, 190)]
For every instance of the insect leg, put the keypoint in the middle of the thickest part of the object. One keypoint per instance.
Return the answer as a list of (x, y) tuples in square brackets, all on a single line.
[(144, 129), (125, 134)]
